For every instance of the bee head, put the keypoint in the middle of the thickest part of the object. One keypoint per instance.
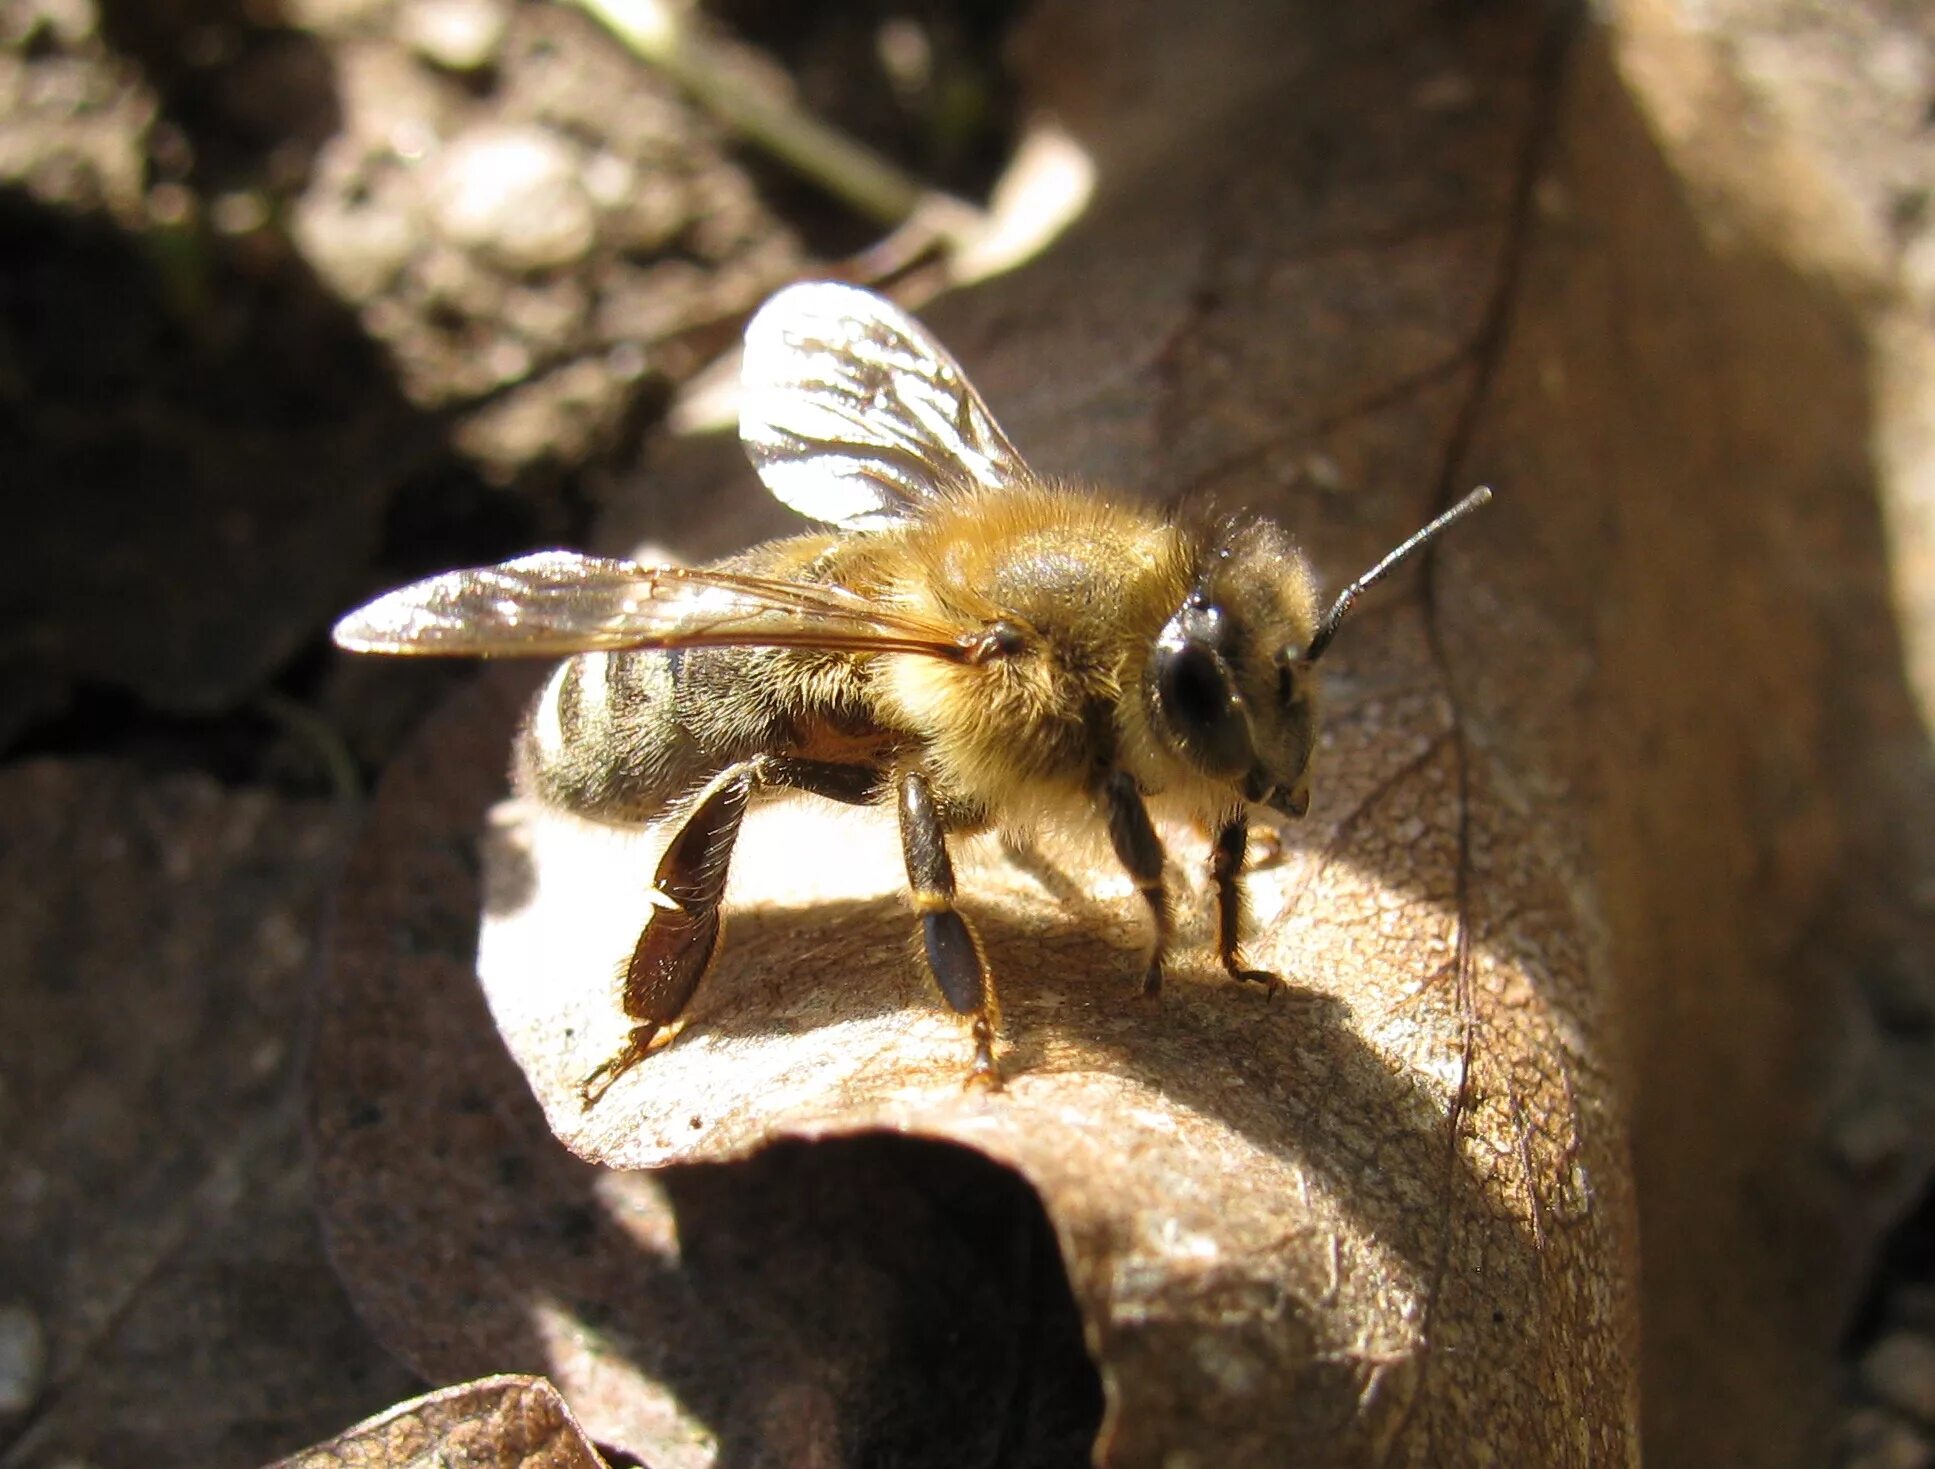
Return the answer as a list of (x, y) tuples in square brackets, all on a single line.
[(1232, 680), (1229, 682)]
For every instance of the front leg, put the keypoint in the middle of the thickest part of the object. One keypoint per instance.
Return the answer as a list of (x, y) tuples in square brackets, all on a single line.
[(1139, 849), (1226, 869)]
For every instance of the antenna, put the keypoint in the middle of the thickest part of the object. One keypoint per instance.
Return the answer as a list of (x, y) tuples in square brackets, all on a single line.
[(1340, 609)]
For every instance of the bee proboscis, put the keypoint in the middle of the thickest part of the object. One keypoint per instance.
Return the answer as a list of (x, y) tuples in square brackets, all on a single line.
[(969, 641)]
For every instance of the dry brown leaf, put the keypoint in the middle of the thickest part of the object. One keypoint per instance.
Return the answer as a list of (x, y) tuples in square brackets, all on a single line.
[(158, 1229), (1387, 1217), (494, 1423), (1260, 1203), (1721, 450)]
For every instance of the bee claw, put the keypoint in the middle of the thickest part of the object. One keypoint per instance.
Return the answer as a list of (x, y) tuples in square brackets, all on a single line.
[(1273, 984), (983, 1072), (591, 1091)]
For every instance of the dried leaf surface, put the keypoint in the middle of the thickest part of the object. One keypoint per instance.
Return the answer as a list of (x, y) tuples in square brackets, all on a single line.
[(1258, 1201), (1387, 1215), (1720, 432), (495, 1423), (158, 1229)]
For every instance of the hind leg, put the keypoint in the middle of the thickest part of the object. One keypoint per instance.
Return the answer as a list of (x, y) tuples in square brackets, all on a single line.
[(678, 944)]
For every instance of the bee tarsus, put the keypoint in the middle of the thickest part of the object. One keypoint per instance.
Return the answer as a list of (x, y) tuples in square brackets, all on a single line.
[(1226, 858)]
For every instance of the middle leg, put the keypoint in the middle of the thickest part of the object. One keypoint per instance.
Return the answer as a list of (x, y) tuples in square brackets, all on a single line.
[(953, 954)]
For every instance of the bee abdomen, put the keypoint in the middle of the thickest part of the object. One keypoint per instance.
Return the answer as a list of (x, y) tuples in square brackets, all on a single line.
[(604, 739)]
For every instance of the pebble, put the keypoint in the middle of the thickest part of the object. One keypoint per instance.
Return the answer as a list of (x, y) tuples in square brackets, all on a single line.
[(1873, 1439), (513, 192), (1899, 1370), (457, 35), (71, 23), (23, 1358), (358, 251)]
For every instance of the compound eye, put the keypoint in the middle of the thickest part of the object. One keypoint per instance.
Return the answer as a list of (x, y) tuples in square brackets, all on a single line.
[(1202, 709), (1194, 689)]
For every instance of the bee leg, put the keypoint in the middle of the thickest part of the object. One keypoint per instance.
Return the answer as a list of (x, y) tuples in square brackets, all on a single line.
[(676, 948), (1139, 849), (953, 954), (1226, 869)]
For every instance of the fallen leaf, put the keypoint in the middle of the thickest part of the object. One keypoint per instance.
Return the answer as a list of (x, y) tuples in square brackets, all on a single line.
[(1300, 1202), (495, 1423), (158, 1227), (1713, 423), (1387, 1216)]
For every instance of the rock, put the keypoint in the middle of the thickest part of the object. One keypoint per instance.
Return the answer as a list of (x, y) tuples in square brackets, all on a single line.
[(358, 251), (1900, 1370), (457, 35), (513, 192), (23, 1358), (1874, 1439)]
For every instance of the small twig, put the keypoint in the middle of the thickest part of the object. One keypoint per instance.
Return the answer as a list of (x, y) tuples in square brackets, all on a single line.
[(322, 738), (709, 73)]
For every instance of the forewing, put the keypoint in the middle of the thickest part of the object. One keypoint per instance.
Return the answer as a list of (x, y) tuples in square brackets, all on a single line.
[(853, 414), (558, 602)]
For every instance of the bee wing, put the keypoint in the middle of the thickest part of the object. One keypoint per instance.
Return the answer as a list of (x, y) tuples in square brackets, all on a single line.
[(558, 602), (853, 414)]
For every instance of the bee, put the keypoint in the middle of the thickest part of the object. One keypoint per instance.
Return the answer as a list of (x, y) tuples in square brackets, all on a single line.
[(980, 646)]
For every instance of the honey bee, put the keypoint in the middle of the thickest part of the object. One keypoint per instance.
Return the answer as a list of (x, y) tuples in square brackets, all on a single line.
[(980, 646)]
